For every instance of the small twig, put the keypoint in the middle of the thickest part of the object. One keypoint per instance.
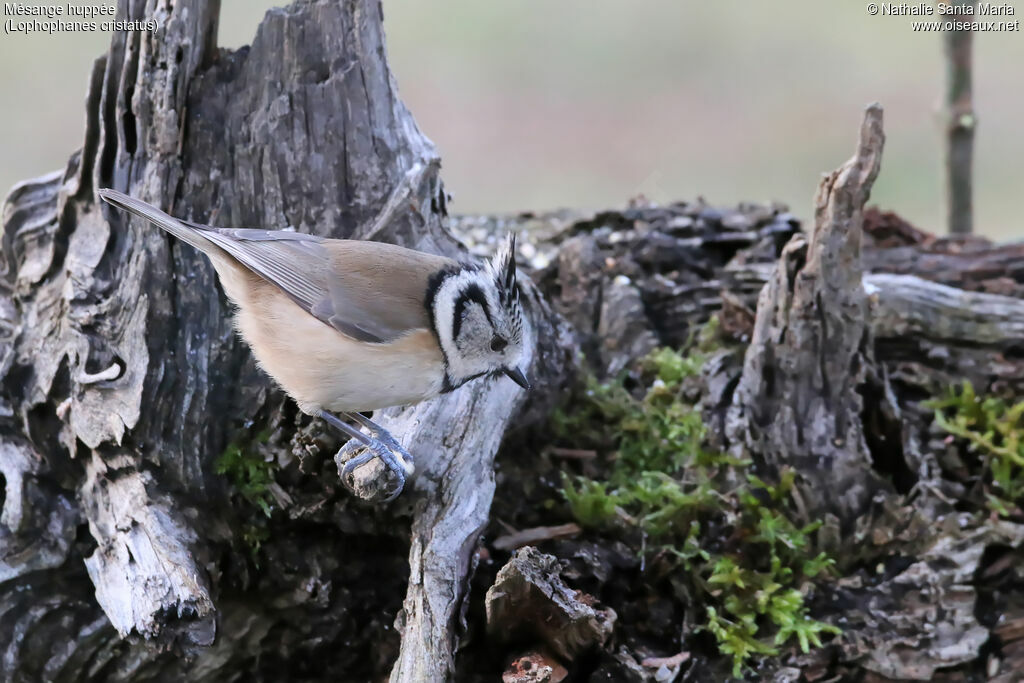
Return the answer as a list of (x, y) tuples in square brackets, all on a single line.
[(518, 539), (669, 662), (573, 453)]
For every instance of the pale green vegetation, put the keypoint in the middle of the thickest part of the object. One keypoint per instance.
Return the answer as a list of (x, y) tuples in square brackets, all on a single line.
[(747, 566), (994, 431), (250, 475)]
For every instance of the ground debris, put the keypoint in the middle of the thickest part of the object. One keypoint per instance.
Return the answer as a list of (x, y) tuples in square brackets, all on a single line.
[(536, 666), (621, 667), (529, 599), (518, 539), (917, 614)]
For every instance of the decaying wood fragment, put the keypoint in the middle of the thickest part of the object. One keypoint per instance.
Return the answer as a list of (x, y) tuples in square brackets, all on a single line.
[(535, 667), (885, 615), (529, 599)]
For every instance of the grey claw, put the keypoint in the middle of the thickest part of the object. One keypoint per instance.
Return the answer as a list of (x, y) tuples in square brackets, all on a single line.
[(377, 450), (384, 446), (385, 437)]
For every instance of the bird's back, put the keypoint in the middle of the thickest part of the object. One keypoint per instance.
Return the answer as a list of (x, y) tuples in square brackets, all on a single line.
[(388, 279)]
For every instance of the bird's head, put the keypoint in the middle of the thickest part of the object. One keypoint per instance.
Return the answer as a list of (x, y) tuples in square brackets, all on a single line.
[(478, 319)]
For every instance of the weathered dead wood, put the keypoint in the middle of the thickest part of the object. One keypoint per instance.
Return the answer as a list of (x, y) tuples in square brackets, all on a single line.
[(913, 308), (935, 586), (797, 402), (910, 307), (123, 380), (530, 600), (118, 352), (81, 365)]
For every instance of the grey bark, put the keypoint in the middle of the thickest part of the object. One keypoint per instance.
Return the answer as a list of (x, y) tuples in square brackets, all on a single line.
[(123, 379), (529, 599), (797, 402), (960, 124)]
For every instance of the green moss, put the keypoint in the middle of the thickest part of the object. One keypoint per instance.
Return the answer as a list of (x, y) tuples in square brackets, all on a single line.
[(993, 430), (249, 472), (745, 564), (591, 503), (254, 535)]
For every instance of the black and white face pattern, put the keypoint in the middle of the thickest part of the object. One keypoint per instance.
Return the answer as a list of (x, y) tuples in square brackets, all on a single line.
[(479, 320)]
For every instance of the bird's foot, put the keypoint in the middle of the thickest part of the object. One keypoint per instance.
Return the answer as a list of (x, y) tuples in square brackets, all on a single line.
[(375, 449), (384, 436), (384, 448)]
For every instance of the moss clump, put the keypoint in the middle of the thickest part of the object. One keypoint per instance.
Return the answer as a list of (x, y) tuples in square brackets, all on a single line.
[(249, 472), (254, 535), (746, 565), (994, 431)]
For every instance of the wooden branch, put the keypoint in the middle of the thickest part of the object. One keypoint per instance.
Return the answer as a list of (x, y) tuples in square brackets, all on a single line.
[(908, 307), (458, 436), (960, 123), (911, 307), (797, 402)]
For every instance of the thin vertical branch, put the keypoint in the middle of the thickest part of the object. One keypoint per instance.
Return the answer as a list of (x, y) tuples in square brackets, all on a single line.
[(960, 122)]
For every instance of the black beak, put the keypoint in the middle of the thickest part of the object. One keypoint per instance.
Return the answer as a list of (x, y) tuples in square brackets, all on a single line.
[(517, 376)]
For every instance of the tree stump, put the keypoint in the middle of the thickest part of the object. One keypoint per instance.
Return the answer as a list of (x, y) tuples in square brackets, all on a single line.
[(124, 380), (140, 447)]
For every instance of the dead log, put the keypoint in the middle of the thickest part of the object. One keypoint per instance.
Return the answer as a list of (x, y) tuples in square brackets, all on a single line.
[(123, 380), (122, 384)]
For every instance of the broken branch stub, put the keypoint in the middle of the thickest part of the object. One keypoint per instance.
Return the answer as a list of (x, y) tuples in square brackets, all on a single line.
[(529, 600), (797, 402)]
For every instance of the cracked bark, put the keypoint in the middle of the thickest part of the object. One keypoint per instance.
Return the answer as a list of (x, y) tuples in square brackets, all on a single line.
[(124, 380), (121, 380)]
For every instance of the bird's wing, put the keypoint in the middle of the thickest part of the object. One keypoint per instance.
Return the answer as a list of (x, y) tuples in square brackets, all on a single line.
[(369, 291)]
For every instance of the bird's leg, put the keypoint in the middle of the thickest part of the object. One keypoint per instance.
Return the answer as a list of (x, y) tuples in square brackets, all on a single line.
[(385, 437), (375, 448)]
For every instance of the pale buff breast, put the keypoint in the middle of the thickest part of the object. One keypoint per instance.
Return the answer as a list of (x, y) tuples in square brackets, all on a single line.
[(320, 367)]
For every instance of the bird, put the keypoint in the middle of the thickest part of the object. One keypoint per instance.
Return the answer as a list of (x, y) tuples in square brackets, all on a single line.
[(350, 326)]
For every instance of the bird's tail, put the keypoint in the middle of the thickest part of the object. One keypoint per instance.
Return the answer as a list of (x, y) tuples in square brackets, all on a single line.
[(184, 231)]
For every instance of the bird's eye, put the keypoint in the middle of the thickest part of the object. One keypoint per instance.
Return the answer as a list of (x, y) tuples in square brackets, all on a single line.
[(498, 344)]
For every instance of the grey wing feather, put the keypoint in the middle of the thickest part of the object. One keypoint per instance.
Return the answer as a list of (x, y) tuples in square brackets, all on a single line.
[(301, 267), (297, 263), (275, 258)]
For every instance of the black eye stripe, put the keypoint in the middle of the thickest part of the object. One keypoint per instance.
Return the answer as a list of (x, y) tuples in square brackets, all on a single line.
[(473, 293)]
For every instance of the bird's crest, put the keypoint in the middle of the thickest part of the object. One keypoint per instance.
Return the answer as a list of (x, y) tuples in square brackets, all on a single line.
[(502, 268)]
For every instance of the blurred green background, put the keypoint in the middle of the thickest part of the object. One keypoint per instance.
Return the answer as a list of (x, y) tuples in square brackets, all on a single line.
[(539, 104)]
